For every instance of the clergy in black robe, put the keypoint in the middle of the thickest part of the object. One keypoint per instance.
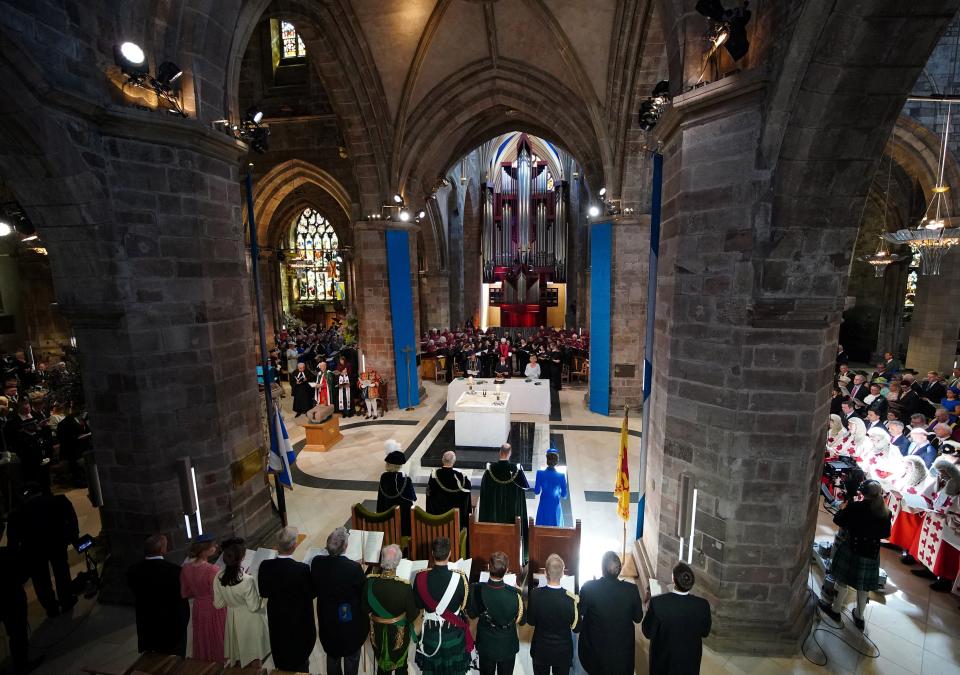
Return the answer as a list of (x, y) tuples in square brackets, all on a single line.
[(676, 624), (503, 491), (609, 608), (449, 489), (288, 586), (395, 488), (303, 394)]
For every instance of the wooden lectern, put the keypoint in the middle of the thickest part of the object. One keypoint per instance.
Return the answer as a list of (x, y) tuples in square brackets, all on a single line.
[(322, 428)]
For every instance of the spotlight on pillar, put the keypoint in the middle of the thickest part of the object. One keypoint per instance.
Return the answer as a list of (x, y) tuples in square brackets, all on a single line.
[(593, 211), (397, 199), (5, 229), (652, 107), (254, 116), (132, 61), (421, 214), (603, 191), (167, 73), (404, 216), (730, 29)]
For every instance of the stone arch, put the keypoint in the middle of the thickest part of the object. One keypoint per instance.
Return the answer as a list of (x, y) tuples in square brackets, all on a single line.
[(338, 52), (477, 103), (274, 188), (917, 149)]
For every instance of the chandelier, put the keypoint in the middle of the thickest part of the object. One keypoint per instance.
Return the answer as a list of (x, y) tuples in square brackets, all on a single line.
[(934, 235), (882, 259)]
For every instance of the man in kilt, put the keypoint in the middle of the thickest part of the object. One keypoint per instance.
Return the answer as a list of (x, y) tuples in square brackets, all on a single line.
[(856, 550), (445, 643), (389, 602)]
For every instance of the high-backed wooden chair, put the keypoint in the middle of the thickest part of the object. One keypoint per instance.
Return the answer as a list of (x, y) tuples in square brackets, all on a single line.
[(583, 373), (424, 528), (388, 522), (246, 670), (488, 538), (148, 662), (198, 667), (564, 541)]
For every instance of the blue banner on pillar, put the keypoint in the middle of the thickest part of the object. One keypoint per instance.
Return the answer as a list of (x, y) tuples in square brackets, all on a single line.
[(601, 247), (401, 310)]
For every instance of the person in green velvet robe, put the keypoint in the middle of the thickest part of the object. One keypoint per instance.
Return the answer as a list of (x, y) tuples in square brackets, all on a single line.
[(503, 491)]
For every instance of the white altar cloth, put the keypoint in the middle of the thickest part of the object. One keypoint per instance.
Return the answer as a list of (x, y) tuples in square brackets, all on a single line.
[(525, 397), (482, 421)]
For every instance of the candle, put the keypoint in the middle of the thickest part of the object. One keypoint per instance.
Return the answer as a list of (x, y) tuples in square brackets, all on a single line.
[(498, 390), (363, 363)]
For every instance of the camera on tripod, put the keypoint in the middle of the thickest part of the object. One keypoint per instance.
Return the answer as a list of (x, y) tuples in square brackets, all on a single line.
[(88, 582)]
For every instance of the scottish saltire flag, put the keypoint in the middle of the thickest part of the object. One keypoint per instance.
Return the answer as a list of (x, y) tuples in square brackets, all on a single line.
[(622, 487), (282, 456)]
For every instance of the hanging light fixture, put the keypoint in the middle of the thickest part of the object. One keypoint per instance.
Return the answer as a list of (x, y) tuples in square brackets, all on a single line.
[(882, 259), (934, 235)]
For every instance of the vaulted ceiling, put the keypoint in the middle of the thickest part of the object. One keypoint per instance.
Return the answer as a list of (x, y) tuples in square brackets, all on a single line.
[(423, 81)]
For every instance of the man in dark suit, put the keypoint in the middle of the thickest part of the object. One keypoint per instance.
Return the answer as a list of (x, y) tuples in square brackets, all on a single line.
[(13, 608), (341, 625), (877, 402), (162, 614), (921, 447), (609, 608), (932, 391), (897, 439), (288, 586), (40, 531), (874, 421), (676, 624), (554, 613)]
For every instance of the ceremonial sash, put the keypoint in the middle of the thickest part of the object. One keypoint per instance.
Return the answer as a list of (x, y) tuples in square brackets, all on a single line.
[(439, 611), (382, 617)]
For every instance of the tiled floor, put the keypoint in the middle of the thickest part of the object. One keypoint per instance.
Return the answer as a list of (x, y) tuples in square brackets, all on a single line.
[(916, 630)]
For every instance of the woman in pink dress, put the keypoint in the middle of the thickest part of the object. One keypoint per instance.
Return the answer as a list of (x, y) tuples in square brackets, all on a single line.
[(196, 582)]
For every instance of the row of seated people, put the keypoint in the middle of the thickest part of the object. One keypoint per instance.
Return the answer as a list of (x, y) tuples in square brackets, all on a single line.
[(920, 488)]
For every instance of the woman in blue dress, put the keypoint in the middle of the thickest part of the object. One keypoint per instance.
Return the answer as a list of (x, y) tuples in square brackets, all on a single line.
[(551, 485)]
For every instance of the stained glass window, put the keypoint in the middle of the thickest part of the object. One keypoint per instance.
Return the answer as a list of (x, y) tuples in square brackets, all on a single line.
[(910, 293), (290, 43), (316, 262)]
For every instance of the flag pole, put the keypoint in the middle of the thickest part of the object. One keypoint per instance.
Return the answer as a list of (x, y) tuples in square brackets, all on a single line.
[(655, 202), (264, 356), (626, 422)]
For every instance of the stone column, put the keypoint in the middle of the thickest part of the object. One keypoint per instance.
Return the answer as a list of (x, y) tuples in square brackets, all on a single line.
[(628, 310), (741, 373), (156, 288), (373, 297), (935, 325), (435, 287)]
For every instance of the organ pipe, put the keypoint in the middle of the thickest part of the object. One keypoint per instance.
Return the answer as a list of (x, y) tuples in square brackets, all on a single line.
[(523, 198)]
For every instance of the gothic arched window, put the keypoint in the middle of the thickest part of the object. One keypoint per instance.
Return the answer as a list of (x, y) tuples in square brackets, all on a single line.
[(291, 45), (316, 261)]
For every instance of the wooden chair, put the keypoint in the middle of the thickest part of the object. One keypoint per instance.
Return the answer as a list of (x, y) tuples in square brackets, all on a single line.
[(441, 374), (246, 670), (488, 538), (388, 522), (456, 369), (564, 373), (583, 373), (197, 667), (564, 541), (382, 399), (424, 528)]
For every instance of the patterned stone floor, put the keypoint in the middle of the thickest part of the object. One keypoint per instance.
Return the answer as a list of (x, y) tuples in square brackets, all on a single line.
[(916, 630)]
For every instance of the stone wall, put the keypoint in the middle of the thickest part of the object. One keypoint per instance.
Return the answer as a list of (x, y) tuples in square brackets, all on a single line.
[(628, 310)]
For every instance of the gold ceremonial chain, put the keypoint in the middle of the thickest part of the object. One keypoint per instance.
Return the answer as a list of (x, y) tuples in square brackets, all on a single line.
[(399, 488), (460, 486), (503, 482)]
